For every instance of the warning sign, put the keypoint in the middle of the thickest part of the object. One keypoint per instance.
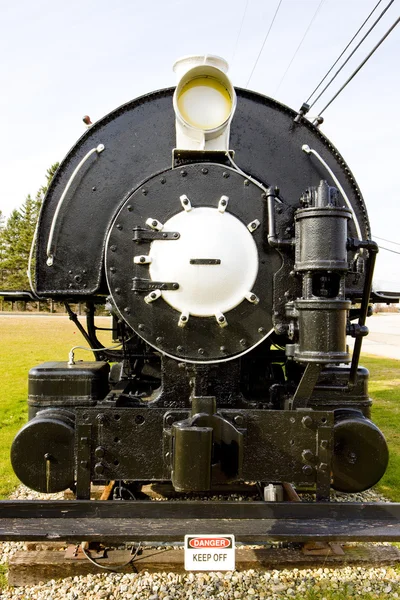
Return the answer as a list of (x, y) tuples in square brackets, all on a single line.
[(209, 552)]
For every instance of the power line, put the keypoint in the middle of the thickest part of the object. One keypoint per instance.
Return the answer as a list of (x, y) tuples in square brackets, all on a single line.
[(385, 240), (352, 53), (361, 65), (340, 56), (240, 30), (389, 250), (299, 46), (263, 44)]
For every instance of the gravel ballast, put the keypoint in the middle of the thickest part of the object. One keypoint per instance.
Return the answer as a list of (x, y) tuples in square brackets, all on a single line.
[(347, 582)]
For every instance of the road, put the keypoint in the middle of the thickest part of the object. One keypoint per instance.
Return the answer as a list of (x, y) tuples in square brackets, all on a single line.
[(384, 335)]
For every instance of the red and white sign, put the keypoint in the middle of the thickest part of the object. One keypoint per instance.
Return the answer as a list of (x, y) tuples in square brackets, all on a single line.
[(209, 552)]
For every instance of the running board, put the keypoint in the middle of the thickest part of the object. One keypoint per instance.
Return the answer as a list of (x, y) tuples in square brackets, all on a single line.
[(122, 521)]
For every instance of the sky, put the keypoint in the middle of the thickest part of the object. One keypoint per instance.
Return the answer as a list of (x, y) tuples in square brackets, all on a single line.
[(62, 60)]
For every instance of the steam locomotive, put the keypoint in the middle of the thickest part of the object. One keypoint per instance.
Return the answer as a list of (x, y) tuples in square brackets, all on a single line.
[(231, 244)]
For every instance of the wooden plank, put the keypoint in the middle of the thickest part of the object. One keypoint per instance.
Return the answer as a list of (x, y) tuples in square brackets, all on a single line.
[(113, 530), (29, 568)]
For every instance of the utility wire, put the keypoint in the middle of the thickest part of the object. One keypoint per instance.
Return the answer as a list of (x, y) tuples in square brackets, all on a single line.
[(299, 46), (263, 44), (340, 56), (389, 250), (351, 54), (240, 30), (361, 65), (385, 240)]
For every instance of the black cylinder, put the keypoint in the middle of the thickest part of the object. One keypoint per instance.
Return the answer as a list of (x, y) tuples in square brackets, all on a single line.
[(42, 453), (192, 451), (321, 239), (322, 330), (360, 455)]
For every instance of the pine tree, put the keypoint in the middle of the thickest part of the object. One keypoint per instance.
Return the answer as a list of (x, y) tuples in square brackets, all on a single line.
[(16, 238)]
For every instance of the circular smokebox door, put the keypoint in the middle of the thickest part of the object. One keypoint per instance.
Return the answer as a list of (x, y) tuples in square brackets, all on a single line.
[(187, 266)]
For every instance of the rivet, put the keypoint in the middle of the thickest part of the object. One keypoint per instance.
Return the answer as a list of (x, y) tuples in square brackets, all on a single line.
[(176, 235), (94, 188), (253, 297), (307, 470), (113, 269), (324, 444), (204, 171), (129, 207), (113, 248), (222, 348), (70, 272), (200, 351), (225, 174), (127, 310), (179, 348), (184, 318), (169, 419), (323, 467), (223, 202), (119, 226), (140, 326), (307, 455), (242, 342), (261, 330), (185, 201), (145, 191), (165, 235), (175, 286), (153, 295), (238, 420), (117, 290), (163, 180), (154, 223), (307, 421), (183, 173), (142, 259), (221, 319), (159, 340), (84, 271), (246, 182)]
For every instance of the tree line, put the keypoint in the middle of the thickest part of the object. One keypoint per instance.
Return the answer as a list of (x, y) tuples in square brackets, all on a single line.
[(16, 235)]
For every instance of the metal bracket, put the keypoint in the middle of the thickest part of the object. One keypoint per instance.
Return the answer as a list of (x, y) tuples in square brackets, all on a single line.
[(83, 470), (147, 285), (140, 234)]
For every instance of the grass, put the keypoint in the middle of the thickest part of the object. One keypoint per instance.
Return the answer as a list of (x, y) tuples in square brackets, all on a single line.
[(384, 388), (27, 342)]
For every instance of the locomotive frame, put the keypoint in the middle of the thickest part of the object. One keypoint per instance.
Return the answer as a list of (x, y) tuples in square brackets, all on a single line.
[(231, 300)]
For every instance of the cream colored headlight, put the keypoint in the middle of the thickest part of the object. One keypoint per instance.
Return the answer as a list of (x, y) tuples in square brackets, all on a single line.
[(204, 103)]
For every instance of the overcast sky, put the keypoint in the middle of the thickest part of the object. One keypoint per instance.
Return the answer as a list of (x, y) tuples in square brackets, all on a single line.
[(61, 60)]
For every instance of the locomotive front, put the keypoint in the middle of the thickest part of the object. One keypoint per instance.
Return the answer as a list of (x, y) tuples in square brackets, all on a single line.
[(233, 276)]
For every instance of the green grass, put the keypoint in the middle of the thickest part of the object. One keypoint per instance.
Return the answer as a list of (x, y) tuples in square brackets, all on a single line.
[(384, 388), (27, 342)]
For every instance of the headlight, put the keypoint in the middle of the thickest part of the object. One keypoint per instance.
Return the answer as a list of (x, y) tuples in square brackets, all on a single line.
[(204, 102)]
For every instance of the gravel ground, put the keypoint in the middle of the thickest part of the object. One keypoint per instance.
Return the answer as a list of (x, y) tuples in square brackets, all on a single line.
[(347, 582)]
